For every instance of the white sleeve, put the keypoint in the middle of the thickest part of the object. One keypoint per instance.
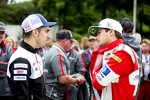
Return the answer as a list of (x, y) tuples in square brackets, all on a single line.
[(106, 75)]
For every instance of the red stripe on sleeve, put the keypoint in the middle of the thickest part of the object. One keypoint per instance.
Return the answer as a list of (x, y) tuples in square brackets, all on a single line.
[(60, 59)]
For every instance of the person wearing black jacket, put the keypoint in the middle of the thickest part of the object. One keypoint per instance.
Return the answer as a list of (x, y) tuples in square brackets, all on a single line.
[(25, 67)]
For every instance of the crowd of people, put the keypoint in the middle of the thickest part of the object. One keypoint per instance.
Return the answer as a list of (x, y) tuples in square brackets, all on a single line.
[(109, 64)]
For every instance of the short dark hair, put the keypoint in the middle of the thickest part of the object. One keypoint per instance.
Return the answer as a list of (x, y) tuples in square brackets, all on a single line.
[(117, 34), (26, 35), (127, 25), (64, 34)]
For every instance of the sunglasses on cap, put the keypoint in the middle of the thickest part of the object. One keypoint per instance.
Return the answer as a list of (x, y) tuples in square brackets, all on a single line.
[(93, 30)]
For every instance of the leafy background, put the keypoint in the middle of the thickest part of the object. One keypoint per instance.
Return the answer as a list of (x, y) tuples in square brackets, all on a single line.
[(78, 15)]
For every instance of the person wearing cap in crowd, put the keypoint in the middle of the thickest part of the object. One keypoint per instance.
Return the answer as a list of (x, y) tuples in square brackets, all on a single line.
[(57, 68), (5, 54), (114, 66), (86, 55), (77, 69), (25, 67), (132, 42)]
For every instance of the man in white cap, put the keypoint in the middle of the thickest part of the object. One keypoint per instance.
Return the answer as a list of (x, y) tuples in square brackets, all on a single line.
[(25, 68), (114, 66)]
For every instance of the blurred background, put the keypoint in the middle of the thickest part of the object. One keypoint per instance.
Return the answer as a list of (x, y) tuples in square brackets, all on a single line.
[(75, 15)]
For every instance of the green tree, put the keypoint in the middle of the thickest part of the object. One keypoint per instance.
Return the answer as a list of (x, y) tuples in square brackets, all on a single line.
[(77, 15), (15, 13)]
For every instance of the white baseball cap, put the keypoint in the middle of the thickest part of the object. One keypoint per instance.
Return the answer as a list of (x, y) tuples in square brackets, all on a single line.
[(35, 21), (106, 23)]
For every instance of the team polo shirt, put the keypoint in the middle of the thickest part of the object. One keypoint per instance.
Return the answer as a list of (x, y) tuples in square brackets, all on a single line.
[(56, 64)]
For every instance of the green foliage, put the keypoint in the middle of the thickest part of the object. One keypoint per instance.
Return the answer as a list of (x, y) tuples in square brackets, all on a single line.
[(77, 36), (76, 15), (15, 13)]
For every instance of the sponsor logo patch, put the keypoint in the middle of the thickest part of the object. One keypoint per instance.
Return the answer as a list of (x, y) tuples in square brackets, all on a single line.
[(20, 78), (20, 65), (20, 71), (116, 58), (98, 76), (105, 70)]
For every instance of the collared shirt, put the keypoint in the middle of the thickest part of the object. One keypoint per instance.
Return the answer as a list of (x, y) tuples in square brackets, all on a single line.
[(56, 64)]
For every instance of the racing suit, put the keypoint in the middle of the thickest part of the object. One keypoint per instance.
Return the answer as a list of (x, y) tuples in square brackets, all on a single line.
[(118, 76), (134, 44), (25, 73)]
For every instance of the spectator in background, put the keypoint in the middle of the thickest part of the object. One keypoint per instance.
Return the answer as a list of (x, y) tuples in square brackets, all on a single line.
[(86, 55), (25, 68), (77, 44), (57, 68), (113, 64), (144, 93), (84, 43), (5, 54), (10, 42)]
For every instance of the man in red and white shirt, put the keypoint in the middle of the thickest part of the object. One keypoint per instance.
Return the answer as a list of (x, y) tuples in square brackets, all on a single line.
[(114, 66)]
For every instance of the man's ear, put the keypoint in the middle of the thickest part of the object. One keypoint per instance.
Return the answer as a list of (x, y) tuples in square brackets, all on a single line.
[(35, 33), (111, 32)]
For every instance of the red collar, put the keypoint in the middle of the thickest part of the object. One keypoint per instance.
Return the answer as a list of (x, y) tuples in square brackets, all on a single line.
[(110, 46)]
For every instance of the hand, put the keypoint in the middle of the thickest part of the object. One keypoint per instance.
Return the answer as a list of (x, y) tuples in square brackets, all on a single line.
[(80, 80)]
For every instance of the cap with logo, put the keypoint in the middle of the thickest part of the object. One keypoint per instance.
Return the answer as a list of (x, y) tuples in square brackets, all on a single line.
[(64, 34), (106, 23), (2, 27), (35, 21)]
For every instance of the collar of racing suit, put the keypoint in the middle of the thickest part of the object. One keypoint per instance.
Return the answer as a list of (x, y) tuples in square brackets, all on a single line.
[(110, 46), (100, 52), (28, 47)]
